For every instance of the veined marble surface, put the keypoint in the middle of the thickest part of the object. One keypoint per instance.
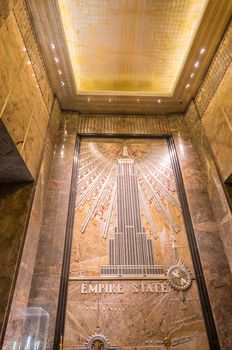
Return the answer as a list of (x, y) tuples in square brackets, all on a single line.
[(217, 122), (23, 282), (15, 200), (29, 39), (23, 110)]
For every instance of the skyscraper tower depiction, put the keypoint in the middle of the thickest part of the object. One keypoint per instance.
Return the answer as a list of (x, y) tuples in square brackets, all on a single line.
[(130, 251)]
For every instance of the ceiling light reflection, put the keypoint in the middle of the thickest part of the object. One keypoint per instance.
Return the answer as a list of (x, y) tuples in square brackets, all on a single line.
[(181, 147)]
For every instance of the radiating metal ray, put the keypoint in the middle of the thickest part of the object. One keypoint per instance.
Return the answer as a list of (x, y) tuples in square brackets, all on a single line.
[(95, 170), (157, 159), (163, 190), (105, 230), (93, 185), (90, 163), (158, 203), (96, 203), (147, 212), (155, 169)]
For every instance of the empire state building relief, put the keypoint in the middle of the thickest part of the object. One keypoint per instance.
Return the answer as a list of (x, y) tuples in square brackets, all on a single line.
[(130, 251), (131, 280)]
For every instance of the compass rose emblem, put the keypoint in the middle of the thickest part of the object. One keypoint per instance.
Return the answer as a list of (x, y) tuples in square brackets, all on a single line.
[(179, 276)]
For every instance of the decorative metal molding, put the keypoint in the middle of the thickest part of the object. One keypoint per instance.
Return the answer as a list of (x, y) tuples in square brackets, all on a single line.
[(118, 124), (26, 30), (216, 72), (59, 327)]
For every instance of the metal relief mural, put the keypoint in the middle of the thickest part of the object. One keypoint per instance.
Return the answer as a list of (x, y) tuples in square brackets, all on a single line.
[(131, 280)]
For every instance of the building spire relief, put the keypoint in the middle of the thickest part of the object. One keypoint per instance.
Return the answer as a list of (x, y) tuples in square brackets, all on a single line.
[(130, 251)]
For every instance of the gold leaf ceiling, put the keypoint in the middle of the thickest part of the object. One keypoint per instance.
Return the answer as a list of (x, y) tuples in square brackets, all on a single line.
[(129, 47)]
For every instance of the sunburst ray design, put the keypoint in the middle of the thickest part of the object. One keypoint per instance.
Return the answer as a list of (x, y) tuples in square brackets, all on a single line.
[(97, 183)]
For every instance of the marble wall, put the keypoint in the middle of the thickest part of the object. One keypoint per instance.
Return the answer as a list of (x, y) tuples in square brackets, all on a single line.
[(217, 123), (36, 214), (25, 95), (212, 254), (48, 264), (15, 200), (29, 118), (209, 118), (22, 206), (47, 273)]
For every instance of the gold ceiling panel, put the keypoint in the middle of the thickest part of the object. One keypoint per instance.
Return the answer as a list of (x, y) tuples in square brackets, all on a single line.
[(129, 46)]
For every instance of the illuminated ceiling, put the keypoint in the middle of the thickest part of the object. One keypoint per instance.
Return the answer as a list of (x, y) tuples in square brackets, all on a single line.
[(128, 56), (135, 46)]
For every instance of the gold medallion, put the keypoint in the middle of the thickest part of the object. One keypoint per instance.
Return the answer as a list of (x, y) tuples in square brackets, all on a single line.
[(167, 342)]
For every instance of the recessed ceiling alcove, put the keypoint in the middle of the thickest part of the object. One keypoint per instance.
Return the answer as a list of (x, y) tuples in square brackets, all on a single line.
[(120, 56)]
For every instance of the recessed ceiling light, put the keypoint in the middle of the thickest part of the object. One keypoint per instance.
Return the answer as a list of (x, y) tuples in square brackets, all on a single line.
[(53, 46), (187, 86), (24, 49), (56, 59), (33, 74), (192, 75), (88, 99), (159, 101), (28, 62), (197, 64), (59, 72), (138, 100), (110, 100), (62, 83), (202, 51)]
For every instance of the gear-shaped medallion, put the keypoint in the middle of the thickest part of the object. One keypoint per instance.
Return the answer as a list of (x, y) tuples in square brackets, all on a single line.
[(179, 276)]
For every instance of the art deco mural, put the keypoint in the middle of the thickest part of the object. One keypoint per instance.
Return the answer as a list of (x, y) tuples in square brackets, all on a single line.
[(131, 280)]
